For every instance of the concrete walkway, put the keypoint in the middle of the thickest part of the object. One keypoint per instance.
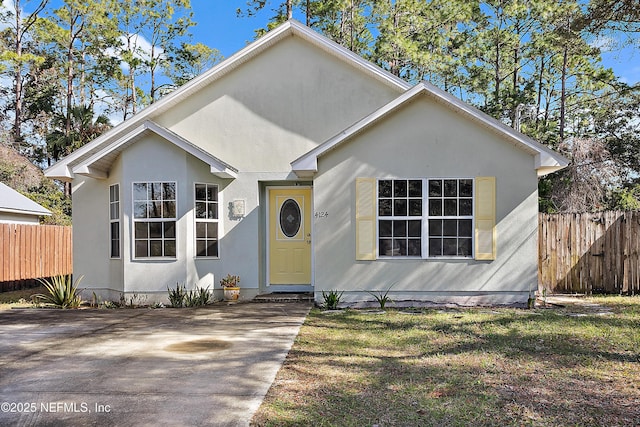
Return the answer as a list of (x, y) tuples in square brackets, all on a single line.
[(142, 367)]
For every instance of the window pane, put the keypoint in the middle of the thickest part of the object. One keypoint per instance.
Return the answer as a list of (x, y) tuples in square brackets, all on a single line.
[(155, 191), (155, 230), (201, 209), (414, 247), (201, 230), (169, 248), (400, 207), (168, 191), (212, 248), (142, 230), (435, 188), (450, 227), (435, 207), (384, 207), (435, 227), (415, 228), (213, 211), (115, 248), (141, 249), (435, 247), (415, 188), (399, 188), (201, 248), (140, 210), (415, 207), (384, 188), (212, 230), (466, 188), (113, 211), (450, 187), (201, 192), (464, 228), (450, 207), (399, 228), (385, 229), (399, 247), (466, 207), (385, 247), (449, 247), (212, 193), (170, 229), (464, 247), (155, 247), (169, 209), (154, 209), (140, 191), (115, 230)]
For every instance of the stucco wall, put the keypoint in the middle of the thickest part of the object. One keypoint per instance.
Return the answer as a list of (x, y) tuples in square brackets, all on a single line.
[(427, 140), (277, 106), (15, 218)]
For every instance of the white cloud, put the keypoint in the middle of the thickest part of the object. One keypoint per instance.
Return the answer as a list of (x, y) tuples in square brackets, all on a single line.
[(140, 46)]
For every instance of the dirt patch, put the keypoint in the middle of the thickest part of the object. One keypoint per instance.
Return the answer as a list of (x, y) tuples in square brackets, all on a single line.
[(199, 346)]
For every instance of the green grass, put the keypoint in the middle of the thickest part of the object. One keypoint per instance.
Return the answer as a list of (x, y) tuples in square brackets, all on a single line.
[(578, 365), (21, 298)]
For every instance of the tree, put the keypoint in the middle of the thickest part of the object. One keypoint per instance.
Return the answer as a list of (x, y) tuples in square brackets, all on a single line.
[(190, 61), (18, 36)]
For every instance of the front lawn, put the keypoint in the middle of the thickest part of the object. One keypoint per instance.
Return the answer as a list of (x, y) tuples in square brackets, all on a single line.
[(577, 365)]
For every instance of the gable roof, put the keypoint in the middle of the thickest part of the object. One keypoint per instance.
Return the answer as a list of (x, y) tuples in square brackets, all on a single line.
[(13, 202), (64, 168), (98, 164), (546, 160)]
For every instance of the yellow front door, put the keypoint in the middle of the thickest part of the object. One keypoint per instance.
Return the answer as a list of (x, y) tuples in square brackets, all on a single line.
[(290, 236)]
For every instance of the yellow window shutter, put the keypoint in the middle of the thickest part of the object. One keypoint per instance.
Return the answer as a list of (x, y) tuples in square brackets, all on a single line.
[(486, 218), (365, 219)]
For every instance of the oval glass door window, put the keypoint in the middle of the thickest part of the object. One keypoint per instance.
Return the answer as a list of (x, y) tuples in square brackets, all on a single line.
[(290, 218)]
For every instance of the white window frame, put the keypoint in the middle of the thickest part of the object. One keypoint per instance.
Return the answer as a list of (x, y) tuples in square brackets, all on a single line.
[(206, 220), (148, 220), (114, 189), (424, 237)]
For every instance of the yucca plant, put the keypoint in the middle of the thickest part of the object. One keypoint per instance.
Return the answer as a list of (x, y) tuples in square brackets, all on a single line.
[(331, 299), (382, 297), (177, 296), (63, 292)]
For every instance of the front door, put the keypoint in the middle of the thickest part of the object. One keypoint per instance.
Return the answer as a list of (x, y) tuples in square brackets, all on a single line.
[(290, 236)]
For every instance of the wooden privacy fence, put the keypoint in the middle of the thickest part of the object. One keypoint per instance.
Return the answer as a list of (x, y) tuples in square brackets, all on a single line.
[(585, 253), (34, 251)]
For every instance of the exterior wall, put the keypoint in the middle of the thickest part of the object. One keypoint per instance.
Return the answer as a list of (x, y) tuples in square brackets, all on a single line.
[(90, 200), (15, 218), (276, 107), (427, 140)]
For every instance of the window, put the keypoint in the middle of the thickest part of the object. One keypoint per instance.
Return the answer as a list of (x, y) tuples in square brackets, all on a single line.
[(450, 217), (206, 215), (425, 217), (400, 217), (114, 220), (154, 217)]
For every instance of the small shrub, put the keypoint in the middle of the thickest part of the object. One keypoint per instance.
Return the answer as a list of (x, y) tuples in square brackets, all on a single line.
[(63, 292), (382, 298), (331, 299), (177, 296), (197, 297)]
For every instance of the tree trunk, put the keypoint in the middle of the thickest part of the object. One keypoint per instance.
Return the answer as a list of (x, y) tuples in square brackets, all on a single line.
[(563, 93), (17, 122), (289, 10)]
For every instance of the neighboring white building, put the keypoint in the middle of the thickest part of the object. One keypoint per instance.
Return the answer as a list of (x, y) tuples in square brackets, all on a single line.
[(300, 166), (18, 209)]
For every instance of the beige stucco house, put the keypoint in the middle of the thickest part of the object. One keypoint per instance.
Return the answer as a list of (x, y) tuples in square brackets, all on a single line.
[(18, 209), (300, 166)]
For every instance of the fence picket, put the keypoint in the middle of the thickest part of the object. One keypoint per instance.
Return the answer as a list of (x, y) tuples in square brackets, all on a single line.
[(34, 251), (589, 252)]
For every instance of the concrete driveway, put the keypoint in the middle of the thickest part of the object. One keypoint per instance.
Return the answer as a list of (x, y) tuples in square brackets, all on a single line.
[(142, 367)]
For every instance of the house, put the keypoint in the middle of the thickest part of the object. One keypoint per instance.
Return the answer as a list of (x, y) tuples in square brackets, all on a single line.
[(300, 166), (18, 209)]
